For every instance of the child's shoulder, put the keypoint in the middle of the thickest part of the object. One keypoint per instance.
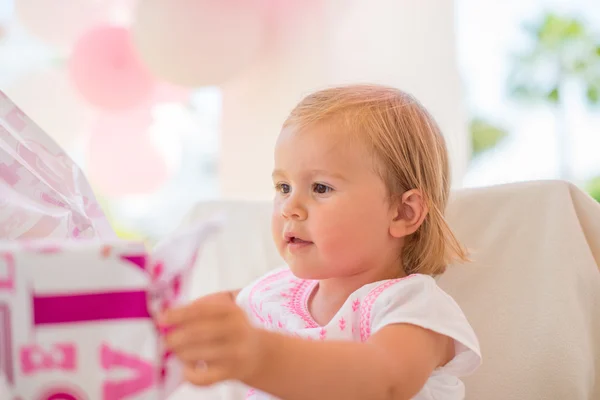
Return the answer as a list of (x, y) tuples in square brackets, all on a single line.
[(418, 300)]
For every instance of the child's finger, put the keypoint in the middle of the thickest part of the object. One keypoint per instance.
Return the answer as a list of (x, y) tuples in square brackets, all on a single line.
[(205, 375), (201, 308), (210, 353), (200, 333)]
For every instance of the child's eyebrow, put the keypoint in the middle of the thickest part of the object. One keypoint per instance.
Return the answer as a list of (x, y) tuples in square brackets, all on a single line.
[(277, 172), (331, 174), (312, 173)]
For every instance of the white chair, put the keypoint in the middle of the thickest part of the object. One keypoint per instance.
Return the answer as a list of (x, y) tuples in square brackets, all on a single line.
[(532, 292)]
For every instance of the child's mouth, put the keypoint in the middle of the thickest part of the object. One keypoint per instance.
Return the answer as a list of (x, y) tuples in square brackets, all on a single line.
[(295, 243), (296, 240)]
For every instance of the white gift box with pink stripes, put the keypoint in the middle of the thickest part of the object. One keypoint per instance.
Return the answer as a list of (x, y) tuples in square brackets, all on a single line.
[(75, 323), (76, 304), (76, 317)]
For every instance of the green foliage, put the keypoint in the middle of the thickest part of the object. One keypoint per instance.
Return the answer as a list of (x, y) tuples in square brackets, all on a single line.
[(561, 48), (593, 188), (484, 136)]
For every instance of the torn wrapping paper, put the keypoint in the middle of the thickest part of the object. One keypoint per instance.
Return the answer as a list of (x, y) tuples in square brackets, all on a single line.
[(42, 192), (76, 316)]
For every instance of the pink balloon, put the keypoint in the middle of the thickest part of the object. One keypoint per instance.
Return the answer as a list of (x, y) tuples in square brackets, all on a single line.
[(61, 22), (121, 158), (198, 42), (108, 72), (284, 15), (49, 98)]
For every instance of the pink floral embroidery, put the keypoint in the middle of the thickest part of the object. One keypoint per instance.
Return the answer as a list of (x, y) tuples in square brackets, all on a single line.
[(342, 324), (322, 333), (299, 299), (355, 304), (280, 324), (258, 286), (270, 318), (369, 300)]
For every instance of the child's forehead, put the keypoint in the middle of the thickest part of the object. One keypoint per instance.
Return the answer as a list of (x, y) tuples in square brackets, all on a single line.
[(321, 147), (322, 138)]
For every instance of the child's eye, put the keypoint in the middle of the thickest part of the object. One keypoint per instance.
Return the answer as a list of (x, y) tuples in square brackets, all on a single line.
[(283, 188), (321, 189)]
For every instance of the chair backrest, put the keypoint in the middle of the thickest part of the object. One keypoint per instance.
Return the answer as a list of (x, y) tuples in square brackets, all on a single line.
[(532, 292)]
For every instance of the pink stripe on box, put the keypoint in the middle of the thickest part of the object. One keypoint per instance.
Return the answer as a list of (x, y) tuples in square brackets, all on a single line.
[(62, 393), (6, 350), (74, 308), (60, 396), (138, 260)]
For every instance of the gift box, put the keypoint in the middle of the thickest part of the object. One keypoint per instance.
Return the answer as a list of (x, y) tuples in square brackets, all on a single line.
[(77, 305)]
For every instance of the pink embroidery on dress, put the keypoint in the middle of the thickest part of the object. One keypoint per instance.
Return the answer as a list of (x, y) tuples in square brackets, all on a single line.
[(258, 286), (342, 324), (299, 299), (251, 392), (323, 334), (280, 324), (270, 318), (369, 300), (355, 304)]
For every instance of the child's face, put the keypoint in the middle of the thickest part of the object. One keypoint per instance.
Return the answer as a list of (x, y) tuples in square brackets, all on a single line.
[(331, 215)]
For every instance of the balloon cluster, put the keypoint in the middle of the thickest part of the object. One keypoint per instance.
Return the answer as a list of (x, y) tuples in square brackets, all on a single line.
[(119, 67)]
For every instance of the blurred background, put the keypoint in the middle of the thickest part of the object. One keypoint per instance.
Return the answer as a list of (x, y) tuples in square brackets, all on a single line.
[(167, 103)]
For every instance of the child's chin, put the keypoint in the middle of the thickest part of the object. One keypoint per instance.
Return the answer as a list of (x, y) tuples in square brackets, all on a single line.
[(305, 271), (302, 271)]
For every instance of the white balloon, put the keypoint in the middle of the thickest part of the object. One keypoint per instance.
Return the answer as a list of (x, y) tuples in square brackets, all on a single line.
[(61, 22), (198, 42)]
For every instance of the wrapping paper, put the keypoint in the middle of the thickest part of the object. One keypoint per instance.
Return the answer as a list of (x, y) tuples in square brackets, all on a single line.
[(76, 316), (42, 192)]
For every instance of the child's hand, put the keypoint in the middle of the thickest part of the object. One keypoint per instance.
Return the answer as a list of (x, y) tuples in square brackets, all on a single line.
[(213, 339)]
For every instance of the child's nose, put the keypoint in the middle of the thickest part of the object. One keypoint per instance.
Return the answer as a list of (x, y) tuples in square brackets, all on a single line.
[(293, 208)]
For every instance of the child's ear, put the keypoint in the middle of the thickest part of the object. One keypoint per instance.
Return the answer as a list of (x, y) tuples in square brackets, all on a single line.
[(409, 212)]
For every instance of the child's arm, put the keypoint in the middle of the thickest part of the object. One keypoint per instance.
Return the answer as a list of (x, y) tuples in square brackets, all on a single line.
[(394, 364)]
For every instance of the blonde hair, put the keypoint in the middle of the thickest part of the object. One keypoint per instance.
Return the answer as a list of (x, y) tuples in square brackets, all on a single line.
[(411, 149)]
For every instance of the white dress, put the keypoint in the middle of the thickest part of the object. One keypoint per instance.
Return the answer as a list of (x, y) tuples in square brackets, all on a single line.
[(279, 302)]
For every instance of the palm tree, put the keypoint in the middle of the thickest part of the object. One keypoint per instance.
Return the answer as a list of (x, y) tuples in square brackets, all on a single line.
[(563, 51), (484, 136), (593, 188)]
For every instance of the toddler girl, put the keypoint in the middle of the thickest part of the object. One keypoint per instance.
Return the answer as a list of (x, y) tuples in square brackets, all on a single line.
[(361, 179)]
